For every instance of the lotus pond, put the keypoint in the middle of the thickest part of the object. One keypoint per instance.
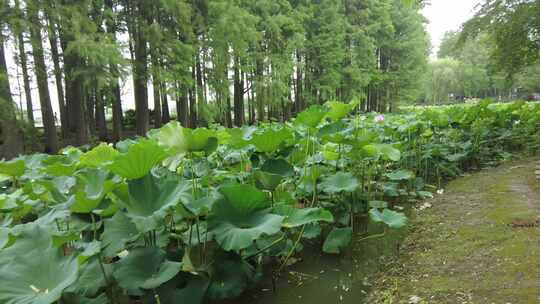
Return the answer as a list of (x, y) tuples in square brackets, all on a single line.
[(216, 214)]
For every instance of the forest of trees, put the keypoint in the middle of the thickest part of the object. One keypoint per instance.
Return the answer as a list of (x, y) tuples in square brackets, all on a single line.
[(495, 55), (232, 62)]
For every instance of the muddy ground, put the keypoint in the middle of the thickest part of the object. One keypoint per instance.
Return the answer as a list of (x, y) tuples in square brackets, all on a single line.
[(478, 243)]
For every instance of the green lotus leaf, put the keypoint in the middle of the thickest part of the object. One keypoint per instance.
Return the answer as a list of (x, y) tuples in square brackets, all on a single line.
[(61, 169), (171, 136), (241, 217), (202, 139), (334, 132), (230, 275), (34, 271), (95, 185), (311, 117), (10, 201), (312, 231), (91, 278), (267, 181), (13, 168), (178, 139), (370, 150), (391, 218), (295, 217), (89, 250), (119, 231), (99, 156), (123, 145), (150, 198), (4, 237), (337, 240), (389, 152), (239, 138), (201, 205), (139, 160), (278, 166), (144, 268), (72, 298), (378, 204), (399, 175), (338, 110), (188, 287), (382, 150), (339, 182), (270, 139), (245, 199)]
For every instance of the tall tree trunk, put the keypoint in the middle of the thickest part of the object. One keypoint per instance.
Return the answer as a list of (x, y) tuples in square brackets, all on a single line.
[(90, 95), (26, 77), (11, 135), (75, 116), (193, 100), (53, 39), (140, 75), (26, 80), (156, 84), (228, 111), (47, 115), (116, 112), (298, 95), (116, 99), (101, 122), (182, 110), (238, 96), (200, 87), (166, 115), (157, 103)]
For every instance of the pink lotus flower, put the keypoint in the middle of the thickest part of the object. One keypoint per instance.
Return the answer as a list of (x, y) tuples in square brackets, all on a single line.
[(379, 118)]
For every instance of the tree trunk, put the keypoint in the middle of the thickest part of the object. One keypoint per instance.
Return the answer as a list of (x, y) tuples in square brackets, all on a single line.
[(26, 79), (157, 91), (192, 100), (53, 39), (100, 116), (11, 135), (182, 106), (116, 100), (47, 115), (166, 115), (90, 95), (238, 96), (200, 88), (140, 72), (299, 103), (75, 116)]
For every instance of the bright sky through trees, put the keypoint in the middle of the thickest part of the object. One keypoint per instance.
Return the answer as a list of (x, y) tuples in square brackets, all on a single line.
[(447, 15)]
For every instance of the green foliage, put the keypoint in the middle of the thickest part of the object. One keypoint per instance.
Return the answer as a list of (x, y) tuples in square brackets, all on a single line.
[(34, 270), (140, 158), (391, 218), (115, 222), (337, 240)]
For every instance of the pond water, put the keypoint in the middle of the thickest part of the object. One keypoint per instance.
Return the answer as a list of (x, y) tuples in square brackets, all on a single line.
[(322, 278)]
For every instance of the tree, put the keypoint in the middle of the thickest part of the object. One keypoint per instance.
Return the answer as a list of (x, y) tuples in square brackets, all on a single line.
[(514, 26), (47, 115), (11, 136), (19, 31)]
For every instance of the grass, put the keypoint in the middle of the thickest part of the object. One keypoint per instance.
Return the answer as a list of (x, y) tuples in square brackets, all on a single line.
[(465, 250)]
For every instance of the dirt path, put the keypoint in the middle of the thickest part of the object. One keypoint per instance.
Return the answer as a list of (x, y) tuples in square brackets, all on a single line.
[(478, 243)]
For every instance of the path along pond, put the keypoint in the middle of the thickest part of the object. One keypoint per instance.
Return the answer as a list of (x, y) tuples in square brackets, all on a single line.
[(319, 278)]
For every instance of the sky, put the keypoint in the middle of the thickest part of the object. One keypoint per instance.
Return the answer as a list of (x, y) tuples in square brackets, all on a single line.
[(442, 15), (447, 15)]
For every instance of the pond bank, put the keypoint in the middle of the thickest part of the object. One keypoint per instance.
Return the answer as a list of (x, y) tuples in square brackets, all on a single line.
[(478, 243)]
